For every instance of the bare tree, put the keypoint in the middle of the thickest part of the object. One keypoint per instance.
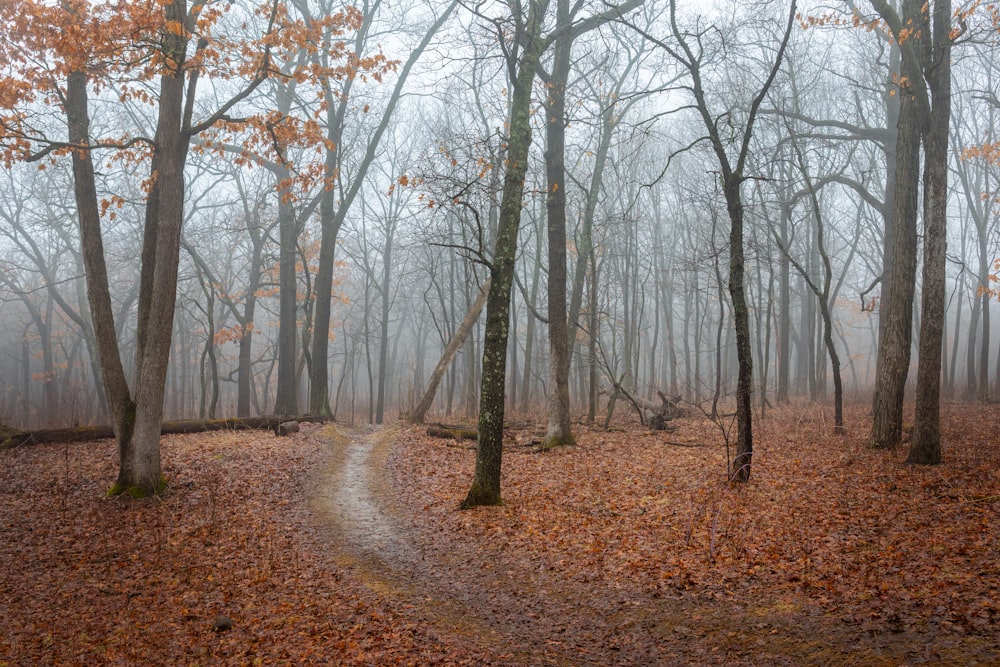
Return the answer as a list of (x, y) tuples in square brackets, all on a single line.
[(689, 52)]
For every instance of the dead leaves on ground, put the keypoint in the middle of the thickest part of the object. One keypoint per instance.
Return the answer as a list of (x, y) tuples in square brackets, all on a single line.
[(849, 539), (93, 580), (825, 524)]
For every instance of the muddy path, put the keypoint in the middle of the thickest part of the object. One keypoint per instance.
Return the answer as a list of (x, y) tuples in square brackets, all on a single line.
[(370, 539), (518, 617), (523, 615)]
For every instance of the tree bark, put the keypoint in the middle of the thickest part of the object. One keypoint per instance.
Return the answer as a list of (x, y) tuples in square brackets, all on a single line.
[(141, 471), (528, 40), (286, 393), (485, 489), (896, 323), (529, 334), (741, 316), (244, 368), (383, 341), (116, 389), (559, 432), (732, 177), (926, 447), (893, 361), (784, 307)]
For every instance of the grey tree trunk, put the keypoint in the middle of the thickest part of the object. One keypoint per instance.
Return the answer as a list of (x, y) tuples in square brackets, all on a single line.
[(116, 387), (333, 216), (529, 334), (784, 353), (926, 447), (485, 489), (529, 45), (593, 326), (383, 340), (893, 362), (450, 350), (286, 394), (286, 400), (558, 432), (732, 177), (244, 369), (895, 334)]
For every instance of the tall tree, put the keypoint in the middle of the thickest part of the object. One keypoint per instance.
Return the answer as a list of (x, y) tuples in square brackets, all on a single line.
[(523, 54), (556, 81), (333, 213), (59, 57), (562, 330), (689, 52), (936, 60), (925, 112)]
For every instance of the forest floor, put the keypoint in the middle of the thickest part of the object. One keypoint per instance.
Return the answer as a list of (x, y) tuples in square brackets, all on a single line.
[(344, 546)]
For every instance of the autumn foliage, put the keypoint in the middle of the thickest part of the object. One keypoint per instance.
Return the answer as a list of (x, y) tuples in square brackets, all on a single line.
[(119, 46), (627, 549)]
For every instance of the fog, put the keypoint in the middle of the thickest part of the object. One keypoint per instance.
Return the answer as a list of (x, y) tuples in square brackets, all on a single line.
[(417, 190)]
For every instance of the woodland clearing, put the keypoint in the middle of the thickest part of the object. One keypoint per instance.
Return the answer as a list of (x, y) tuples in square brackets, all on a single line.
[(344, 546)]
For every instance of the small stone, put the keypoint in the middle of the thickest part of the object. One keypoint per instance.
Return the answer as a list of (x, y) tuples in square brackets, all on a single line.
[(222, 623), (284, 428)]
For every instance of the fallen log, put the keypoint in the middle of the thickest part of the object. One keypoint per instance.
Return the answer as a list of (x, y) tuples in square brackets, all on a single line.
[(449, 353), (12, 438), (454, 432)]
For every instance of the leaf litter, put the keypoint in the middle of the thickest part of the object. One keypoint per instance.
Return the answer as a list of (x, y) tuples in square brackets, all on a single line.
[(625, 549)]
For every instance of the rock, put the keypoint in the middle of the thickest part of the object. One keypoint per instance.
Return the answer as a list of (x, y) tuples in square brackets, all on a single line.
[(284, 428), (222, 623)]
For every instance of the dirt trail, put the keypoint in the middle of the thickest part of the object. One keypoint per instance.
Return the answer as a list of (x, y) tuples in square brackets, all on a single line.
[(385, 553), (520, 617), (539, 616)]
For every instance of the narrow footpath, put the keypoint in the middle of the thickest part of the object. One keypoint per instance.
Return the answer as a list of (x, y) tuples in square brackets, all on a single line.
[(519, 617)]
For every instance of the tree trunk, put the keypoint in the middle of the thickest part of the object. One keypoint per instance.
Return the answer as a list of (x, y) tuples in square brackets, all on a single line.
[(286, 394), (116, 388), (141, 472), (895, 331), (485, 489), (732, 177), (593, 325), (721, 286), (456, 342), (319, 373), (926, 447), (970, 346), (383, 342), (244, 369), (558, 432), (332, 220), (741, 317), (529, 335), (784, 309)]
